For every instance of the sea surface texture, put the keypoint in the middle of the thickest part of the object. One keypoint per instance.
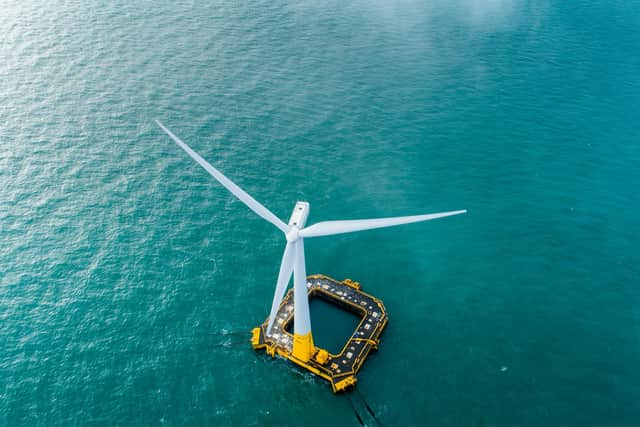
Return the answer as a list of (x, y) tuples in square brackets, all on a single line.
[(130, 279)]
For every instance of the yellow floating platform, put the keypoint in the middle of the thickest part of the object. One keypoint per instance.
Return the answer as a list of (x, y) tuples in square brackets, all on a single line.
[(339, 369)]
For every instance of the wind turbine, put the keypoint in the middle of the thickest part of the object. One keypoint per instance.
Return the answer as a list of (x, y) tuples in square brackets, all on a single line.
[(293, 258)]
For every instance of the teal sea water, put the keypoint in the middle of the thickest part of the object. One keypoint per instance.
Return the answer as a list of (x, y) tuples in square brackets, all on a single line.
[(128, 276)]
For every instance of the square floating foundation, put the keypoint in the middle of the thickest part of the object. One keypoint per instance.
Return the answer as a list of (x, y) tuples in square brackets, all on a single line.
[(339, 369)]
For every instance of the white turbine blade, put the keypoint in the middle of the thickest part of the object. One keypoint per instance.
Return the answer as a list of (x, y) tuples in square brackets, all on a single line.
[(328, 228), (286, 268), (245, 198)]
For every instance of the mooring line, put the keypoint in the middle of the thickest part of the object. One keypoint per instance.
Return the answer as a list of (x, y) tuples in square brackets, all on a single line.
[(355, 411), (375, 418)]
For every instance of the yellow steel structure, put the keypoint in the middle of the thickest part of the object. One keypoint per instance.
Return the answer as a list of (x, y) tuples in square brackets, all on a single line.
[(339, 369), (303, 348)]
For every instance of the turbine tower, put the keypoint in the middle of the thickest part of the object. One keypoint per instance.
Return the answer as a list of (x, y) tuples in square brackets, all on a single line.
[(293, 258)]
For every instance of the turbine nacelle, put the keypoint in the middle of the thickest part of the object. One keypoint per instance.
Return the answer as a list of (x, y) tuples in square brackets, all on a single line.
[(299, 215), (297, 221)]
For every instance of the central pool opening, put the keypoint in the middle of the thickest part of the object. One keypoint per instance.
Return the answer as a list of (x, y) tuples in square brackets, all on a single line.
[(331, 325)]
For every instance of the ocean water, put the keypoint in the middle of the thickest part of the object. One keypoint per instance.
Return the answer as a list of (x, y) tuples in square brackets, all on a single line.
[(129, 278)]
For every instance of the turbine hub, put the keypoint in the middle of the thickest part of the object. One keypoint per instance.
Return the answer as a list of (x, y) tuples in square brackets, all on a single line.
[(293, 234)]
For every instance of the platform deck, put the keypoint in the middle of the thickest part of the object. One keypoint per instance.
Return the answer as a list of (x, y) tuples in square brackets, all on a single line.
[(339, 369)]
